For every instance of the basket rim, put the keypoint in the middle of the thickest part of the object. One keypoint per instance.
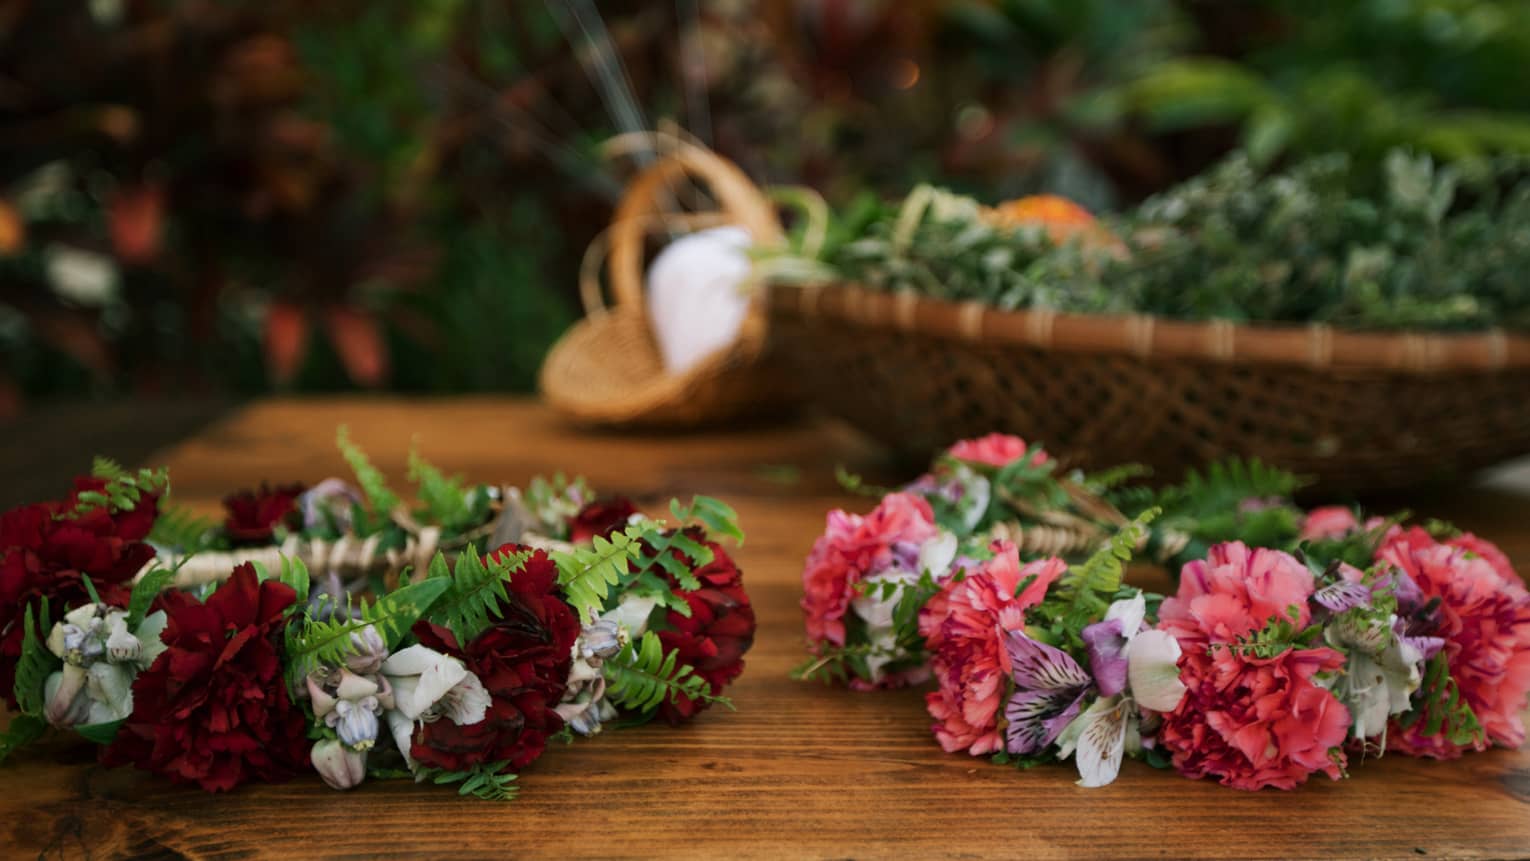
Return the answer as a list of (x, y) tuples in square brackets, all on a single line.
[(1148, 336)]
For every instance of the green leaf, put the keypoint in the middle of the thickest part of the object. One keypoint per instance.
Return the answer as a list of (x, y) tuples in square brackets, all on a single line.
[(183, 530), (589, 575), (477, 591), (36, 662), (22, 731), (445, 502), (642, 676), (148, 587), (312, 643), (101, 733), (123, 490), (488, 782), (381, 501), (295, 574)]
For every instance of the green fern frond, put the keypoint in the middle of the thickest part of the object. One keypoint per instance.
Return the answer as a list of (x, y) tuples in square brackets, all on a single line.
[(374, 486), (183, 530), (444, 501), (144, 592), (1227, 483), (312, 643), (589, 575), (642, 676), (488, 782), (1101, 574), (477, 592), (719, 518), (122, 491), (36, 662), (1112, 478)]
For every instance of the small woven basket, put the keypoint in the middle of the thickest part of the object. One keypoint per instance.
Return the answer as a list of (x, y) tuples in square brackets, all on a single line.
[(606, 369), (1357, 411)]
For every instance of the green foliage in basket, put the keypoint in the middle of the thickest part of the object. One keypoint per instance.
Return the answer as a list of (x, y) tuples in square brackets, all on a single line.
[(1423, 246)]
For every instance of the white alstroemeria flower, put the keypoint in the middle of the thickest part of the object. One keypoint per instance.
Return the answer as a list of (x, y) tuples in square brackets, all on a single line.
[(877, 603), (428, 686), (101, 659), (1381, 674), (1134, 669)]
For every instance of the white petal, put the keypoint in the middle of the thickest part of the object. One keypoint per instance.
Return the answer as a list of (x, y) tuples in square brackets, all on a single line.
[(411, 661), (1131, 611), (974, 503), (354, 687), (632, 613), (469, 702), (1152, 671), (81, 616), (937, 554), (112, 686), (402, 729), (1102, 742), (148, 637)]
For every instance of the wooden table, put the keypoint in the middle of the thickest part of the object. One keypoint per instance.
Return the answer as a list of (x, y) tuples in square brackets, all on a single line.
[(799, 770)]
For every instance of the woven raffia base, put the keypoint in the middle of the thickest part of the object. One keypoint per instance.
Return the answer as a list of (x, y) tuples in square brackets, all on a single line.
[(1352, 430)]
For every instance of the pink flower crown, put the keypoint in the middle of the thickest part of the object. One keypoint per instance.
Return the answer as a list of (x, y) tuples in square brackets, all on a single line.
[(1296, 641), (222, 653)]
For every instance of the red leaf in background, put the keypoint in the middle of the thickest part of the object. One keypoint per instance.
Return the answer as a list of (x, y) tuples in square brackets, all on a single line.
[(286, 341), (359, 341), (13, 231), (137, 216)]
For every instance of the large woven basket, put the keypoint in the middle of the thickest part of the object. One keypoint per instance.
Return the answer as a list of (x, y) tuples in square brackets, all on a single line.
[(606, 370), (1357, 411)]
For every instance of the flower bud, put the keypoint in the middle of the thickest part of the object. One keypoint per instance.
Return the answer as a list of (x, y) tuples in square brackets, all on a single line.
[(369, 651), (600, 640), (340, 768)]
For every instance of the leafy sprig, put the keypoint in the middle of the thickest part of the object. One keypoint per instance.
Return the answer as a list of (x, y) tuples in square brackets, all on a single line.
[(642, 676), (380, 500), (184, 530), (1439, 706), (1085, 591), (444, 500), (122, 490), (312, 643), (476, 592), (489, 781)]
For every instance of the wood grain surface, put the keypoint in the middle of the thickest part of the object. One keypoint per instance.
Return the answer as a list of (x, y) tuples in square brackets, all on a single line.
[(799, 770)]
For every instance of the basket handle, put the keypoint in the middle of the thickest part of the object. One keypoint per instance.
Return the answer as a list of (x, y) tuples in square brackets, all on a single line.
[(640, 210)]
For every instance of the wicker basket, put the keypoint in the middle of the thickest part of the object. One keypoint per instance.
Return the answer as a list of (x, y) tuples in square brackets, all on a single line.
[(1357, 411), (606, 369)]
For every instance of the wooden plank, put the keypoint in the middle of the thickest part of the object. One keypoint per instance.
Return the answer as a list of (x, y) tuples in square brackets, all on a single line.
[(799, 770)]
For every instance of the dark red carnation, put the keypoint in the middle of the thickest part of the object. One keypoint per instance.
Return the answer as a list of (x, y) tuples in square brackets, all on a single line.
[(600, 518), (253, 515), (718, 632), (213, 708), (44, 555), (523, 661)]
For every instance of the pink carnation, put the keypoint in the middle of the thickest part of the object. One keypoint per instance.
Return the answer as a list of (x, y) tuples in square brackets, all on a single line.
[(1252, 722), (1484, 618), (963, 627), (1329, 521), (853, 548), (996, 449)]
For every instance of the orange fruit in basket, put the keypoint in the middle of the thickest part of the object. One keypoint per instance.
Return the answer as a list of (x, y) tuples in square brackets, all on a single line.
[(1063, 220)]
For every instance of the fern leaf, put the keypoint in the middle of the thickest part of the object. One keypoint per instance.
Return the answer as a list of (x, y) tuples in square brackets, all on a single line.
[(488, 782), (476, 591), (183, 530), (718, 517), (122, 490), (446, 503), (320, 642), (36, 662), (588, 575), (144, 592), (642, 676), (374, 486), (295, 574)]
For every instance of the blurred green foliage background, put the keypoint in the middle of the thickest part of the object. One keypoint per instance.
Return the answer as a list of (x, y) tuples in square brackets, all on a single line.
[(236, 196)]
